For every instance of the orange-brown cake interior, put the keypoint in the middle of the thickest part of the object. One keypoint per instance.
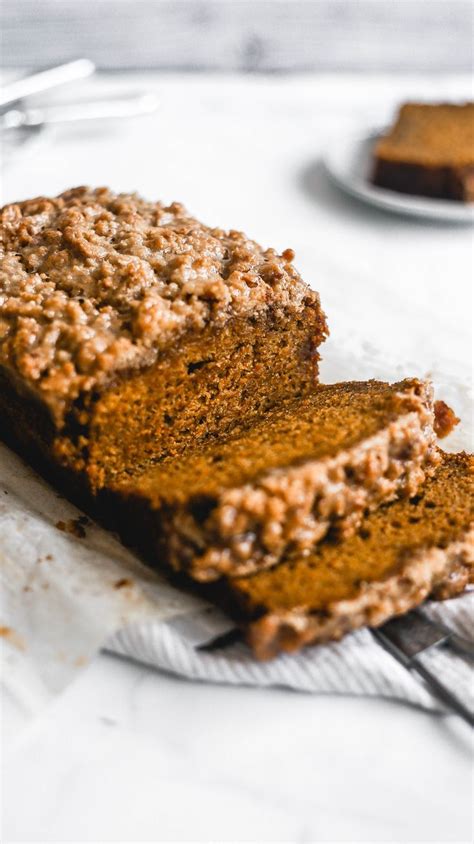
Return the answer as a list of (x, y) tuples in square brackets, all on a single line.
[(212, 383), (322, 424), (432, 135)]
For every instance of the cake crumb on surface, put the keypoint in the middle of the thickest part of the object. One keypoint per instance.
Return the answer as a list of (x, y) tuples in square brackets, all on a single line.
[(13, 637), (73, 526)]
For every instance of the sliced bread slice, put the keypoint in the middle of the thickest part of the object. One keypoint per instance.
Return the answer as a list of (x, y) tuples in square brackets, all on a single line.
[(404, 552), (237, 505)]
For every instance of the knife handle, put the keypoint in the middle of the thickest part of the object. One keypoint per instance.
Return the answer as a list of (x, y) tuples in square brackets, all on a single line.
[(45, 79)]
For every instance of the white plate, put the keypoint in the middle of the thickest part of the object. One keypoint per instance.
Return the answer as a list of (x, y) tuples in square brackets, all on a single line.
[(349, 164)]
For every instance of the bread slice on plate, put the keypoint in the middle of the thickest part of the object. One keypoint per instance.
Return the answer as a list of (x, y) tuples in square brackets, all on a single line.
[(239, 503), (404, 552), (429, 151)]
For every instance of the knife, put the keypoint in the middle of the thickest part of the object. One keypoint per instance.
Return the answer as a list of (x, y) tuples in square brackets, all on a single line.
[(410, 636)]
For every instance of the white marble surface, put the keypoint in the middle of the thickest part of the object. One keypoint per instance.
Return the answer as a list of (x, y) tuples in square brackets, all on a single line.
[(127, 754), (130, 755)]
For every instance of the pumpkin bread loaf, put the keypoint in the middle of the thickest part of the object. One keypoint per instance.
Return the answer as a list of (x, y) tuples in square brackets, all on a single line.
[(129, 330), (404, 552), (429, 151), (170, 370), (237, 504)]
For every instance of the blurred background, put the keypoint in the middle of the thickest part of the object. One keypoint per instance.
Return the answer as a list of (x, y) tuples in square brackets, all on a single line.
[(242, 35)]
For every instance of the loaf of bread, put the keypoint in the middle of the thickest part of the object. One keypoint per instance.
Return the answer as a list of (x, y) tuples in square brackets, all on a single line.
[(129, 330), (169, 371)]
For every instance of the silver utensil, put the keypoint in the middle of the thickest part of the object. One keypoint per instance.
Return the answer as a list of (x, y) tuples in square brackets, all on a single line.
[(44, 80), (129, 106), (412, 635)]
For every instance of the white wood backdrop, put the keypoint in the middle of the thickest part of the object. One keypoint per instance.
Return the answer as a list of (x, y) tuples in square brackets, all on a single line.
[(249, 35)]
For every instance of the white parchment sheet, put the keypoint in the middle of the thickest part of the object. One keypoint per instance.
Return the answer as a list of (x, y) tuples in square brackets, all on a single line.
[(69, 588)]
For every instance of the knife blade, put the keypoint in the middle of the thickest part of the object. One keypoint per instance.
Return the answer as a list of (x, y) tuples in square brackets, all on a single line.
[(408, 637)]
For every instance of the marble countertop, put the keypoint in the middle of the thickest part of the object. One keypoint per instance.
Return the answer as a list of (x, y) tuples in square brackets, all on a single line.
[(126, 753)]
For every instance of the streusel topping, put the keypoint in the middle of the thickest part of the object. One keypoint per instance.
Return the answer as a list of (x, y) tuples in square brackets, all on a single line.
[(93, 282)]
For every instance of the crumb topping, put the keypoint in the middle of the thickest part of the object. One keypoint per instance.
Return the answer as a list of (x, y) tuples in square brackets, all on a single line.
[(92, 283), (445, 419)]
